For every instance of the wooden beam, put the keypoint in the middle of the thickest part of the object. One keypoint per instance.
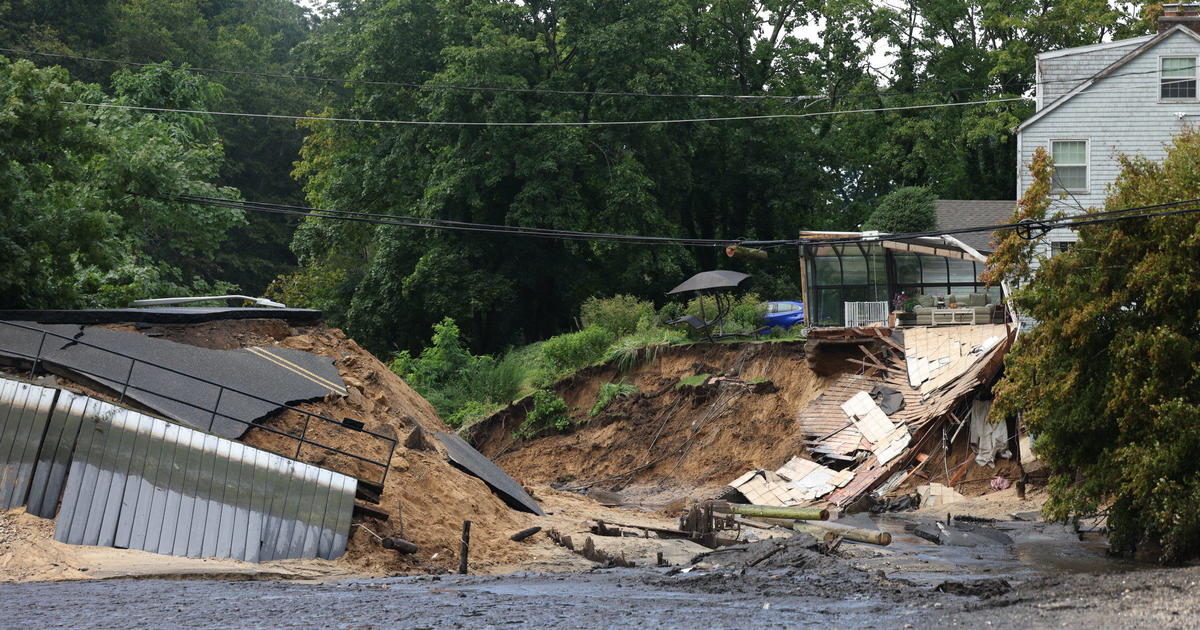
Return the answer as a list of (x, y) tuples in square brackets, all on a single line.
[(808, 305), (892, 342), (879, 364), (873, 366), (925, 249)]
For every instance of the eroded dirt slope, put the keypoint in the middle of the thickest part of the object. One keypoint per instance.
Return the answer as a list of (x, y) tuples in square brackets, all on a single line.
[(669, 441)]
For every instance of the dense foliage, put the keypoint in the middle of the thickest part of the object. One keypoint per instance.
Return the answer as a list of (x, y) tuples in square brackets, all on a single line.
[(238, 35), (726, 180), (752, 179), (908, 209), (82, 219), (1109, 380)]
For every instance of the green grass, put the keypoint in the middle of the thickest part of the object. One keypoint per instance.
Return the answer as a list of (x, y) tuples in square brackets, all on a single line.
[(609, 392), (695, 380)]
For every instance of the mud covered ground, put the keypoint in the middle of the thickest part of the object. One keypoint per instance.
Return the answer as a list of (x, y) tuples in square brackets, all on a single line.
[(774, 598)]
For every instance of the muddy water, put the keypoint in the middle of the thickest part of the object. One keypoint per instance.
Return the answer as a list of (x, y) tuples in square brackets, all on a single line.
[(1038, 550)]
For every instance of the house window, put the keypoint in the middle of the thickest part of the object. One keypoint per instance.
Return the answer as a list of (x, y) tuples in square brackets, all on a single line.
[(1070, 164), (1178, 77), (1059, 247)]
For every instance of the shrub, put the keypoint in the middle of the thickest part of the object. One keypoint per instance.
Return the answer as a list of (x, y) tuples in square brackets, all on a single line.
[(909, 209), (549, 411), (461, 386), (469, 413), (572, 351), (444, 359), (619, 314), (642, 347), (609, 392), (496, 381)]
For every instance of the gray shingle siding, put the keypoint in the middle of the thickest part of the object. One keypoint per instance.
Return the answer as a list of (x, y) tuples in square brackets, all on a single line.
[(1118, 114), (1058, 75)]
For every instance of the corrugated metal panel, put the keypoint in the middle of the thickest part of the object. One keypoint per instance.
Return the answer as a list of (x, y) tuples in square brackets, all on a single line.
[(24, 414), (143, 483), (133, 481), (54, 456)]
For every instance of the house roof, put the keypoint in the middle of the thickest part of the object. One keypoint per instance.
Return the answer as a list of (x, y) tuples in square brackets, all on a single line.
[(1120, 43), (1113, 67), (953, 214)]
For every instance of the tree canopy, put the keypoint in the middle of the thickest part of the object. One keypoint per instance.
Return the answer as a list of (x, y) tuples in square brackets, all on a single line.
[(908, 209), (755, 179), (82, 212), (1108, 381), (576, 62)]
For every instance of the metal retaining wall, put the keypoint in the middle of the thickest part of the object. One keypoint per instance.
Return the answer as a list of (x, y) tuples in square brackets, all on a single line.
[(133, 481), (24, 410)]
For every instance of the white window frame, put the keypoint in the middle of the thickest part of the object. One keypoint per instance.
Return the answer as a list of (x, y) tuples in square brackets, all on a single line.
[(1195, 77), (1087, 166)]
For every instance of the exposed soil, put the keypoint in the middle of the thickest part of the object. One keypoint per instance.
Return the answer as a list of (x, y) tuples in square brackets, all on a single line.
[(670, 441), (29, 553)]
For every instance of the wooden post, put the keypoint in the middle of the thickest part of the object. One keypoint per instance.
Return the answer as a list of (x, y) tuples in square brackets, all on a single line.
[(464, 548), (804, 514), (809, 307)]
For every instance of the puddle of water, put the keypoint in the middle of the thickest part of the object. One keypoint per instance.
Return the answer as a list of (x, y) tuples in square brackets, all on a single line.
[(1038, 549)]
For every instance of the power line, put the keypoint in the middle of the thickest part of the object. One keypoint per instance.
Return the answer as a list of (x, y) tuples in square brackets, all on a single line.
[(481, 88), (414, 86), (1042, 226), (592, 123), (460, 226)]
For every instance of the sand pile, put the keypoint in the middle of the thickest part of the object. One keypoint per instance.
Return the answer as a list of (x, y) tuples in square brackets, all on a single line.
[(671, 440), (432, 497)]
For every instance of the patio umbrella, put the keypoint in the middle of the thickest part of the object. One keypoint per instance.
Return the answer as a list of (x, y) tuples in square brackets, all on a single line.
[(721, 279)]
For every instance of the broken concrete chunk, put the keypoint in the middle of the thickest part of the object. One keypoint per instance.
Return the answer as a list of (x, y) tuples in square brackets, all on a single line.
[(417, 440), (936, 494)]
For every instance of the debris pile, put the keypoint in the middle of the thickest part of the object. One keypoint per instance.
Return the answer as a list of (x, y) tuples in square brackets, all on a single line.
[(873, 430)]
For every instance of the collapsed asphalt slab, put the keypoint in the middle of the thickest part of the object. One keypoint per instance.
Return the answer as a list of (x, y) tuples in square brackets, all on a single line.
[(184, 383)]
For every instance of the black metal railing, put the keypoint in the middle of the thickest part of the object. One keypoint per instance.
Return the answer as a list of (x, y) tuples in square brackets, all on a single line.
[(126, 385)]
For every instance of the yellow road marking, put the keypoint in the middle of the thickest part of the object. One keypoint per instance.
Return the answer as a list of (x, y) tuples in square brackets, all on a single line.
[(296, 369)]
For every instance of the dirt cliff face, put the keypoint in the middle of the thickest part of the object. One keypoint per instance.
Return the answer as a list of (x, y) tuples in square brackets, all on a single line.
[(671, 440), (427, 498)]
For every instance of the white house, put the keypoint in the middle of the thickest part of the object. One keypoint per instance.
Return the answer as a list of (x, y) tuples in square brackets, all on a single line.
[(1097, 102)]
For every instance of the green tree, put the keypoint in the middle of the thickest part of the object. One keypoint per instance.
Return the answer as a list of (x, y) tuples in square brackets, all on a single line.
[(765, 179), (908, 209), (237, 35), (85, 216), (1108, 382)]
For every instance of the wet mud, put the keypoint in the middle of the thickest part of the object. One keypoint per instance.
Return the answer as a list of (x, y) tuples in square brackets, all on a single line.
[(1045, 577)]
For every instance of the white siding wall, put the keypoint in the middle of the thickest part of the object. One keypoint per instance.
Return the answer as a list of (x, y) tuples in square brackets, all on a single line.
[(1058, 75), (1117, 115)]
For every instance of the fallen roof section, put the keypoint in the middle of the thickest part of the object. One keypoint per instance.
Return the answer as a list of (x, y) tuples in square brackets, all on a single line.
[(854, 443), (185, 383)]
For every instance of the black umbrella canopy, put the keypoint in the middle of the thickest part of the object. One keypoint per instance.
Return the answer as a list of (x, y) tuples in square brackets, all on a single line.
[(710, 280)]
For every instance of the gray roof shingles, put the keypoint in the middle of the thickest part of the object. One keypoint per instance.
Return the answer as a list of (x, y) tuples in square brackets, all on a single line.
[(962, 213)]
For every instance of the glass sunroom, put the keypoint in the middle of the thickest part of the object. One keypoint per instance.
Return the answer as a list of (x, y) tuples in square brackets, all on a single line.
[(852, 283)]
